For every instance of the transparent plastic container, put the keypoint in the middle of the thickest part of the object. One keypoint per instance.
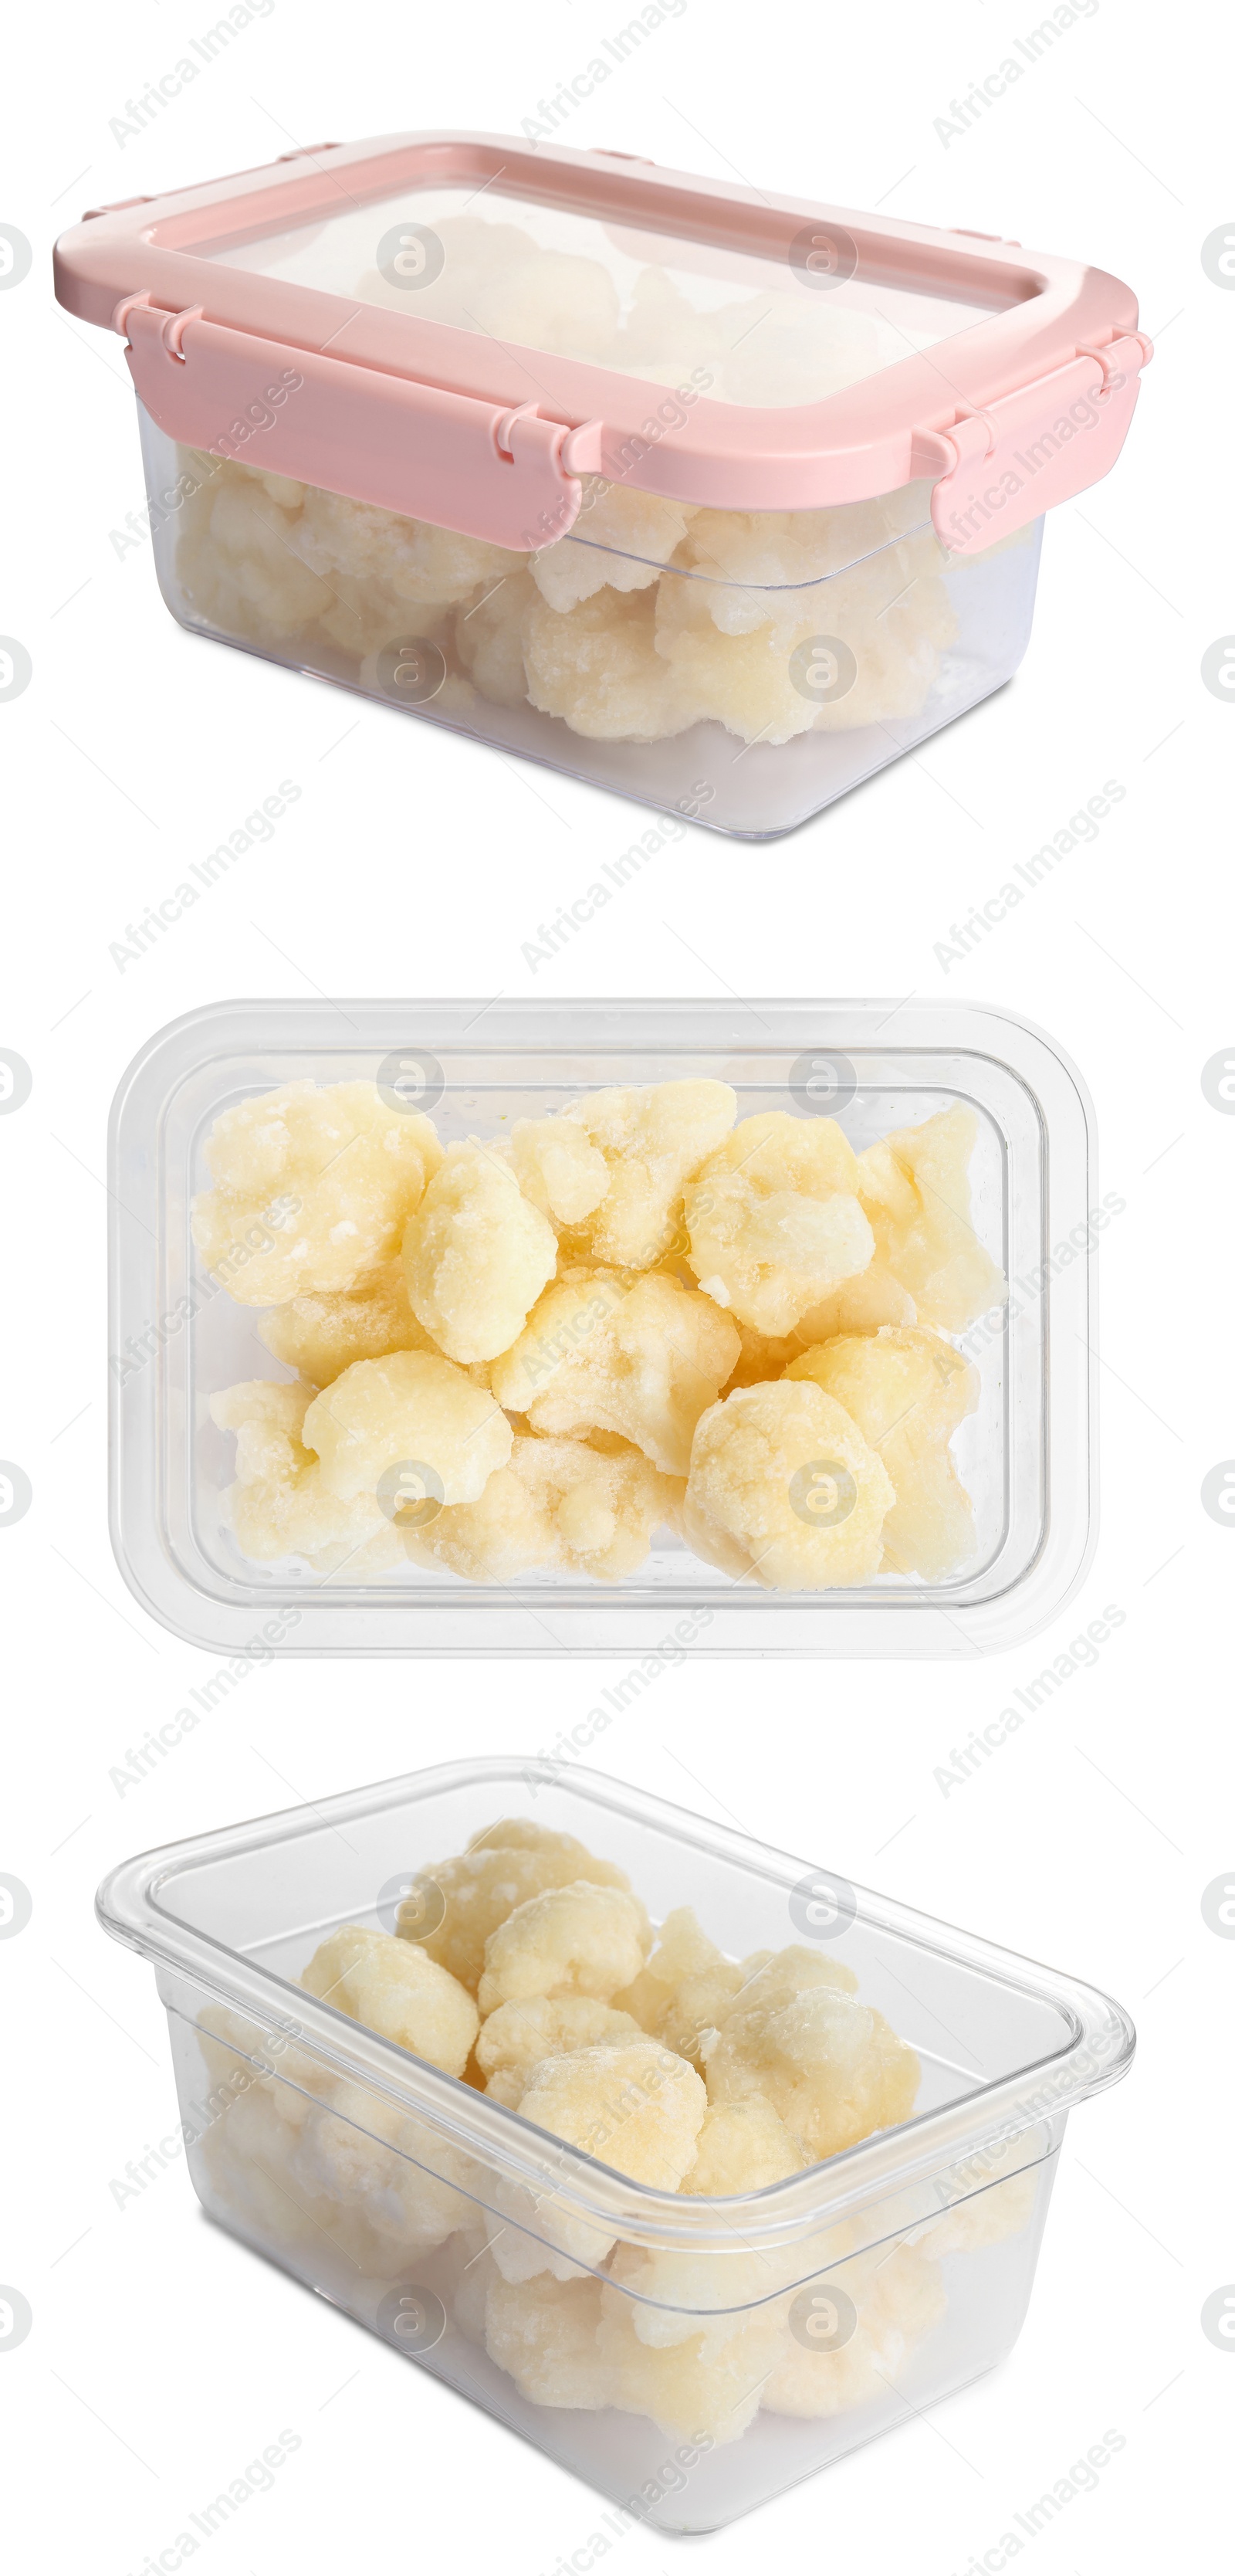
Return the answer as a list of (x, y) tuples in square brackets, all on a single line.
[(689, 2356), (716, 499), (1025, 1454)]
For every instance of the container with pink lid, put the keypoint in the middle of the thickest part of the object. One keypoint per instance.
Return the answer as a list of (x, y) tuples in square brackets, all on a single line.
[(717, 499)]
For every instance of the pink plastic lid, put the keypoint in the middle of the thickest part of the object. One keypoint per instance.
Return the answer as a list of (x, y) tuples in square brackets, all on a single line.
[(458, 327)]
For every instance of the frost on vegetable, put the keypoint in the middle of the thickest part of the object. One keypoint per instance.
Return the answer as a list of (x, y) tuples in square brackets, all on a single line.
[(643, 1360), (773, 1219), (312, 1189), (784, 1491), (476, 1255)]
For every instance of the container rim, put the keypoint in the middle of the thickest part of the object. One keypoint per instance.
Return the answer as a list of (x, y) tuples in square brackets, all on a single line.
[(1097, 2053)]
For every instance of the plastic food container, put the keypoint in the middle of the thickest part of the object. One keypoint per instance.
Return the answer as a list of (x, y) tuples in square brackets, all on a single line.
[(867, 2287), (718, 499), (177, 1337)]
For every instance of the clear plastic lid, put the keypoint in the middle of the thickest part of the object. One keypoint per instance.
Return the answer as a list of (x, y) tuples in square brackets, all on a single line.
[(766, 331)]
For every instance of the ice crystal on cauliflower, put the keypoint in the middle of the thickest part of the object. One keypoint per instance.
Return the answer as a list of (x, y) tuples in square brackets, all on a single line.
[(312, 1189), (783, 1489), (774, 1220)]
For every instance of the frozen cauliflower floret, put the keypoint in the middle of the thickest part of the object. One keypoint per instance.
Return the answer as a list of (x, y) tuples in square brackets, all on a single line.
[(682, 1949), (620, 541), (747, 653), (907, 1391), (833, 2068), (248, 2159), (898, 2297), (488, 638), (602, 1506), (393, 1987), (312, 1189), (633, 2106), (742, 2146), (699, 2388), (413, 1408), (582, 1939), (322, 1333), (502, 1867), (544, 2333), (914, 1186), (552, 300), (643, 1361), (774, 1220), (596, 666), (557, 1169), (238, 553), (559, 1502), (420, 565), (363, 2153), (699, 2005), (500, 1535), (709, 2298), (783, 1488), (653, 1136), (516, 2036), (279, 1505), (476, 1255)]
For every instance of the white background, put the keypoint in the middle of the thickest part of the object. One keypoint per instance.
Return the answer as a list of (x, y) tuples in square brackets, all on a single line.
[(162, 2357)]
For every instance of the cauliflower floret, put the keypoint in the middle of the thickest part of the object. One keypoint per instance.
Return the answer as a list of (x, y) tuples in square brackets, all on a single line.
[(488, 638), (742, 2146), (280, 1505), (557, 1169), (653, 1137), (322, 1334), (596, 666), (682, 1949), (238, 554), (643, 1361), (517, 2035), (313, 1188), (700, 2003), (833, 2068), (749, 655), (559, 1502), (602, 1505), (712, 2299), (582, 1939), (393, 1987), (784, 1488), (632, 2105), (503, 1865), (914, 1186), (907, 1391), (420, 566), (364, 2153), (692, 2390), (774, 1220), (410, 1407), (552, 300), (476, 1255), (620, 541), (898, 2297), (544, 2333)]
